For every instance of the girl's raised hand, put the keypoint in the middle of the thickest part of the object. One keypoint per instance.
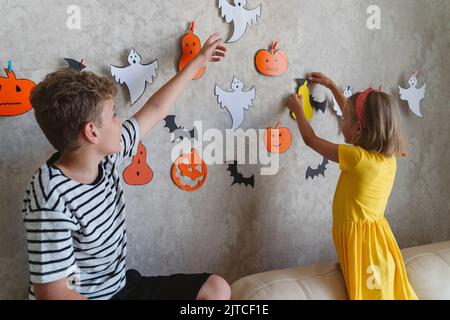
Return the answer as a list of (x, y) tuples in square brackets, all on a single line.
[(213, 50), (320, 78), (295, 103)]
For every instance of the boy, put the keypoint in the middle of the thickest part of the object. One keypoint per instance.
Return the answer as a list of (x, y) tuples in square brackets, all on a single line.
[(74, 206)]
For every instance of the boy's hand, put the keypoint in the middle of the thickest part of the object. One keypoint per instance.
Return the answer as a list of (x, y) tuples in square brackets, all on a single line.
[(318, 77), (295, 103), (213, 50)]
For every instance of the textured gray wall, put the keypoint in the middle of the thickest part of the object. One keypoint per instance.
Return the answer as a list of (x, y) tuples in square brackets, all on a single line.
[(285, 221)]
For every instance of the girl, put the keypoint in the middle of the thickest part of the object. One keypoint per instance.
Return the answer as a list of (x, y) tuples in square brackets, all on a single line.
[(370, 258)]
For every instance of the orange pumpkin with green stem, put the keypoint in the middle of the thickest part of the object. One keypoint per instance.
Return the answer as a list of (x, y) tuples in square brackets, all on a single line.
[(191, 46), (14, 95)]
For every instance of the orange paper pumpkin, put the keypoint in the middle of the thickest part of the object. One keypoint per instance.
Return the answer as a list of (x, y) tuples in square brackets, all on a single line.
[(189, 171), (14, 95), (191, 46), (278, 139), (274, 63), (138, 172)]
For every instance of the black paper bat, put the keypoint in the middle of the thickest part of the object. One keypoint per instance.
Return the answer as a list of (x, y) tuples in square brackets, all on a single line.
[(75, 65), (312, 173), (239, 178), (178, 132), (322, 106)]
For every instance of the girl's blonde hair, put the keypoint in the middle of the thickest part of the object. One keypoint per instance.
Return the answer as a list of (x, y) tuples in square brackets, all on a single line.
[(382, 131)]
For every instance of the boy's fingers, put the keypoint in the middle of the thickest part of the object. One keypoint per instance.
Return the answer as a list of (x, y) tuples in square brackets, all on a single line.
[(213, 38), (217, 43), (218, 54), (221, 48)]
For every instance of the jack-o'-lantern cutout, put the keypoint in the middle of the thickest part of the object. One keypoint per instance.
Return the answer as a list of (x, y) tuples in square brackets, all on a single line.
[(278, 139), (14, 95), (273, 63), (138, 172), (189, 171), (191, 46)]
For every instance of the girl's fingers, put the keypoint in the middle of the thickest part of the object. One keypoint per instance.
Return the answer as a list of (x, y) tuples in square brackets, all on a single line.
[(316, 74), (317, 80), (214, 59), (317, 77)]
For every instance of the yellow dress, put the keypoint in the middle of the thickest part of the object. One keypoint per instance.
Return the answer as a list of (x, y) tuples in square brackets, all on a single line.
[(370, 258)]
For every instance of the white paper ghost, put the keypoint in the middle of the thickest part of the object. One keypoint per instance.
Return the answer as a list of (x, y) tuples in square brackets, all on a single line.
[(236, 101), (413, 95), (240, 16), (136, 75), (347, 93)]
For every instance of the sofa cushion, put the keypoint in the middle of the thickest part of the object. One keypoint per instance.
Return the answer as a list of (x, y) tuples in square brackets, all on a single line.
[(319, 281), (428, 269)]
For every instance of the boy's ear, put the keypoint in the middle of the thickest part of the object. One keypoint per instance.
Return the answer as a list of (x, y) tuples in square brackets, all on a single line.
[(89, 132)]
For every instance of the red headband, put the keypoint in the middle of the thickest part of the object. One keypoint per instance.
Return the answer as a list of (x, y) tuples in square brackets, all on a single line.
[(360, 103)]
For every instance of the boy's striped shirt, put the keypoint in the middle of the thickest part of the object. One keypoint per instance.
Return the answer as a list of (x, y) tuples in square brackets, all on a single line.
[(76, 230)]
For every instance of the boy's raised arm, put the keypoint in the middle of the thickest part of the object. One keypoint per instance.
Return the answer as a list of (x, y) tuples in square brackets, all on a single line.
[(159, 105)]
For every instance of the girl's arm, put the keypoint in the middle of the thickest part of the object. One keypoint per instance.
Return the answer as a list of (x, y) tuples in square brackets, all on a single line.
[(319, 78), (159, 105), (327, 149)]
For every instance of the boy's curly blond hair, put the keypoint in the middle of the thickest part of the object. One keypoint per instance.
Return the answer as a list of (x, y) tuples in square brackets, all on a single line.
[(65, 100), (382, 132)]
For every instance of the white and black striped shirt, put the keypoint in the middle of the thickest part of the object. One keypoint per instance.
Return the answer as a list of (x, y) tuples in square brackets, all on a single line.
[(76, 230)]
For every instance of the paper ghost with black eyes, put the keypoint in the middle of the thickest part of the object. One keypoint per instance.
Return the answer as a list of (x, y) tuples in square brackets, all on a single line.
[(178, 133), (320, 170), (235, 101), (240, 16), (413, 95), (239, 178), (136, 75), (75, 65)]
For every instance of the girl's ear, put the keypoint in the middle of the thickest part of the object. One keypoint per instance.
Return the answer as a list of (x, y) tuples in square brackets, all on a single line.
[(357, 130)]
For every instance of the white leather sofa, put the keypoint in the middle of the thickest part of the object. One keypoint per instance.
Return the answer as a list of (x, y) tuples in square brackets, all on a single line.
[(428, 269)]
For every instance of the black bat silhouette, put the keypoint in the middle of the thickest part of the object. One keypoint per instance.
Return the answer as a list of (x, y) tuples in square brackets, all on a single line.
[(312, 173), (239, 178), (178, 132), (322, 106), (75, 65)]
